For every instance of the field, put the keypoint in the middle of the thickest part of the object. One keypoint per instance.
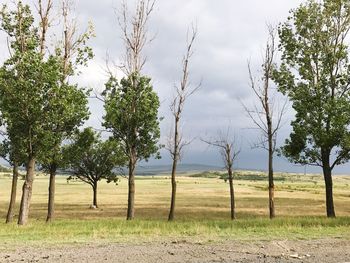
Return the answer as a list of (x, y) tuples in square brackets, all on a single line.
[(202, 210)]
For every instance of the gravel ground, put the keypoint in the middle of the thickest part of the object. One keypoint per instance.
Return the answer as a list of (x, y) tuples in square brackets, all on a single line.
[(326, 250)]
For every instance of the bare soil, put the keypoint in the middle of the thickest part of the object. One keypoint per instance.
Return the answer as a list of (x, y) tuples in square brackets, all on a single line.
[(325, 250)]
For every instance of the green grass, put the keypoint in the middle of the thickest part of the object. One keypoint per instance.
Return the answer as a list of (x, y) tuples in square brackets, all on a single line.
[(114, 230), (202, 211)]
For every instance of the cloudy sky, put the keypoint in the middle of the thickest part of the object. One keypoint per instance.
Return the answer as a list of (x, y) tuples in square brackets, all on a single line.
[(230, 34)]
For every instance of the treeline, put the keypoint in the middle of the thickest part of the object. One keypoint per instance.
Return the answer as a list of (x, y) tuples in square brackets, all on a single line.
[(43, 109)]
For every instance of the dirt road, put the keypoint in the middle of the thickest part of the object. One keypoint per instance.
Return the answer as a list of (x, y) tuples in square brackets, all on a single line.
[(328, 250)]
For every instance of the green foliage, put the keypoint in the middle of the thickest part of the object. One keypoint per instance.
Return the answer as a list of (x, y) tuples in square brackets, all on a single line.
[(18, 24), (131, 108), (315, 73), (91, 159), (38, 109), (69, 107)]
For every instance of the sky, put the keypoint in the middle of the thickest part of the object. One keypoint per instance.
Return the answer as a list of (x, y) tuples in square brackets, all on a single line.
[(230, 33)]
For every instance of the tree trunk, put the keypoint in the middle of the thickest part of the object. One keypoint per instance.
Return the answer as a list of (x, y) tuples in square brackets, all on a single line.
[(271, 183), (270, 150), (12, 204), (173, 191), (173, 170), (131, 188), (327, 173), (51, 201), (94, 188), (232, 193), (27, 193)]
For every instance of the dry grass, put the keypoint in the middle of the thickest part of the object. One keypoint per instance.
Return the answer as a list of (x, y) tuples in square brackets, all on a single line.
[(197, 198), (202, 209)]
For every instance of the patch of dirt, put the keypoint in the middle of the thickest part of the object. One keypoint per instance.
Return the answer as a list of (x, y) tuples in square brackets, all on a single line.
[(327, 250)]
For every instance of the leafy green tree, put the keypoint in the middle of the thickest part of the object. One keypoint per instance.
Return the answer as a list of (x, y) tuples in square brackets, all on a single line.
[(72, 108), (90, 159), (315, 73), (35, 106), (131, 116)]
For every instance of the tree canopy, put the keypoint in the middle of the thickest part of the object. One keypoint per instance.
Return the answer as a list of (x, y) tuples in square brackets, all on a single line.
[(132, 114), (90, 159), (315, 73)]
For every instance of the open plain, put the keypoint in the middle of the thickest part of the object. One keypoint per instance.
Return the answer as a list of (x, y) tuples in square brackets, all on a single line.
[(202, 231)]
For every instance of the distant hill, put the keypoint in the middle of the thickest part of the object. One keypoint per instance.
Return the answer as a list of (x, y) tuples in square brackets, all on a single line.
[(145, 170), (181, 169)]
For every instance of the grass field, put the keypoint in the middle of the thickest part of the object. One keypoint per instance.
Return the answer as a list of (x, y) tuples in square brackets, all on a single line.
[(202, 210)]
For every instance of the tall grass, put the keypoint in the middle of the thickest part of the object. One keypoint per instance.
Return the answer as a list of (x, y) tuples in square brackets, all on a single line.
[(112, 230)]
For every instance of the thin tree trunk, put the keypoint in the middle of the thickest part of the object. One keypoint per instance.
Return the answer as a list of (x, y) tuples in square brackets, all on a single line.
[(270, 150), (173, 191), (52, 188), (271, 183), (232, 193), (327, 173), (173, 170), (94, 188), (27, 193), (12, 204), (131, 184)]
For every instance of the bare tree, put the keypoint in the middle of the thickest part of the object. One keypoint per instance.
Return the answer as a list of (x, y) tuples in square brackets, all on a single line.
[(175, 140), (135, 36), (229, 153), (264, 116)]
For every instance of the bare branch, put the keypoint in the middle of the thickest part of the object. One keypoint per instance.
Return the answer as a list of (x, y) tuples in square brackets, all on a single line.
[(135, 34), (44, 13), (263, 115), (72, 39), (227, 146), (183, 92)]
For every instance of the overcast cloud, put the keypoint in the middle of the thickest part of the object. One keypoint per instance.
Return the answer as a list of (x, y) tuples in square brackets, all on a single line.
[(230, 33)]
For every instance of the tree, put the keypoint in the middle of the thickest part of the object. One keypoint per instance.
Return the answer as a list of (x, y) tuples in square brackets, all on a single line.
[(267, 117), (73, 52), (175, 140), (90, 159), (131, 105), (229, 154), (32, 97), (315, 75), (132, 118)]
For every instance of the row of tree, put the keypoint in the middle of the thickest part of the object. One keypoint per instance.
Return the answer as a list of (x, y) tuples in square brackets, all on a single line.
[(42, 110), (314, 74)]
